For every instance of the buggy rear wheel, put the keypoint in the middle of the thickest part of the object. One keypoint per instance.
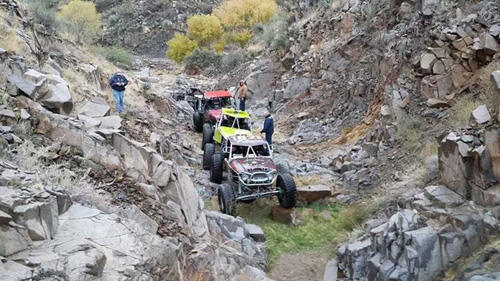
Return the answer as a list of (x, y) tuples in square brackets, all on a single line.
[(227, 199), (197, 121), (216, 169), (208, 152), (208, 135), (287, 191)]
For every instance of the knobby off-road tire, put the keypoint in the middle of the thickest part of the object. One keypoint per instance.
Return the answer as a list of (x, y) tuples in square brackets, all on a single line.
[(208, 135), (227, 199), (208, 152), (197, 121), (216, 168), (288, 191)]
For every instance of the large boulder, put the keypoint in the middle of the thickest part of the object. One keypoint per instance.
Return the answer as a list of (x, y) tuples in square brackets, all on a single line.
[(89, 122), (442, 196), (481, 115), (54, 94), (233, 228), (58, 99), (23, 86), (488, 44), (40, 219), (110, 122), (255, 232), (313, 193), (48, 89), (7, 117), (452, 166), (286, 216), (427, 62), (96, 107)]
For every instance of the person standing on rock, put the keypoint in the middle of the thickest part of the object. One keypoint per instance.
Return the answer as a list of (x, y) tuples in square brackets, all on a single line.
[(243, 94), (118, 82), (269, 129)]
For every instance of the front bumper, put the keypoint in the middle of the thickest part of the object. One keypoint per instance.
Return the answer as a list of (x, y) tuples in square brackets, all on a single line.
[(257, 179)]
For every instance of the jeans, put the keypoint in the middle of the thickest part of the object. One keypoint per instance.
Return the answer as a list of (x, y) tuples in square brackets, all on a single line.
[(118, 97), (269, 139), (242, 104)]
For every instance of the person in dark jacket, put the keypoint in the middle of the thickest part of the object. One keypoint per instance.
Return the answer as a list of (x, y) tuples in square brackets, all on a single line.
[(118, 82), (269, 129)]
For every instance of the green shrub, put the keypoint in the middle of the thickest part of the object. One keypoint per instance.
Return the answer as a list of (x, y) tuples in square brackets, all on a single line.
[(44, 13), (356, 214), (203, 59), (460, 112), (275, 33), (232, 60), (317, 233), (114, 54), (410, 131)]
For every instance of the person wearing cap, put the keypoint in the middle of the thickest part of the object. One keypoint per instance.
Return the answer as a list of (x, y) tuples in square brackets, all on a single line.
[(242, 94), (269, 129), (118, 82)]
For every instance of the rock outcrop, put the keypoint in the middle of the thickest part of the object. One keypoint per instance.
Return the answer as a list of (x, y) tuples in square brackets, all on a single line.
[(434, 229), (467, 165), (431, 232)]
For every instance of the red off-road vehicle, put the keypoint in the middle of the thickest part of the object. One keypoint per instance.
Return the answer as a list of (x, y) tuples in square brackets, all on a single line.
[(252, 174), (207, 107)]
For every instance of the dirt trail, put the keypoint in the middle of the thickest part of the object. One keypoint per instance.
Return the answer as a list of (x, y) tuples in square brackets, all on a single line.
[(300, 267)]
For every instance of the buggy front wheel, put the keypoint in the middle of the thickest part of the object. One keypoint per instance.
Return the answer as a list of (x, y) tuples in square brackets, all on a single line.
[(287, 191), (227, 199)]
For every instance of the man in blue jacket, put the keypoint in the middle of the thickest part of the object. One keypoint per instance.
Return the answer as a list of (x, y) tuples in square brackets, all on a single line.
[(118, 82), (269, 129)]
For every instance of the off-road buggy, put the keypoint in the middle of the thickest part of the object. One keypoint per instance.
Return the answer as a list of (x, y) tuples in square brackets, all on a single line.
[(208, 106), (231, 122), (252, 174), (186, 94)]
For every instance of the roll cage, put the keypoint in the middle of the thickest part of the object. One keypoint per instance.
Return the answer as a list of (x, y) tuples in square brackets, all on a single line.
[(251, 179), (202, 104), (237, 151)]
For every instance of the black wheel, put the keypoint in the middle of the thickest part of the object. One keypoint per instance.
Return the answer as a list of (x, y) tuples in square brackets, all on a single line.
[(208, 152), (216, 168), (197, 121), (227, 199), (287, 191), (208, 135)]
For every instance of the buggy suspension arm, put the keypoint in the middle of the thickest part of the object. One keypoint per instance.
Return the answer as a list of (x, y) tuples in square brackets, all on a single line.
[(258, 195)]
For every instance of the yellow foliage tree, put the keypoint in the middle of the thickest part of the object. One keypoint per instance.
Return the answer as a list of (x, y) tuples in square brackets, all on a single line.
[(204, 29), (82, 17), (235, 14), (180, 47)]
